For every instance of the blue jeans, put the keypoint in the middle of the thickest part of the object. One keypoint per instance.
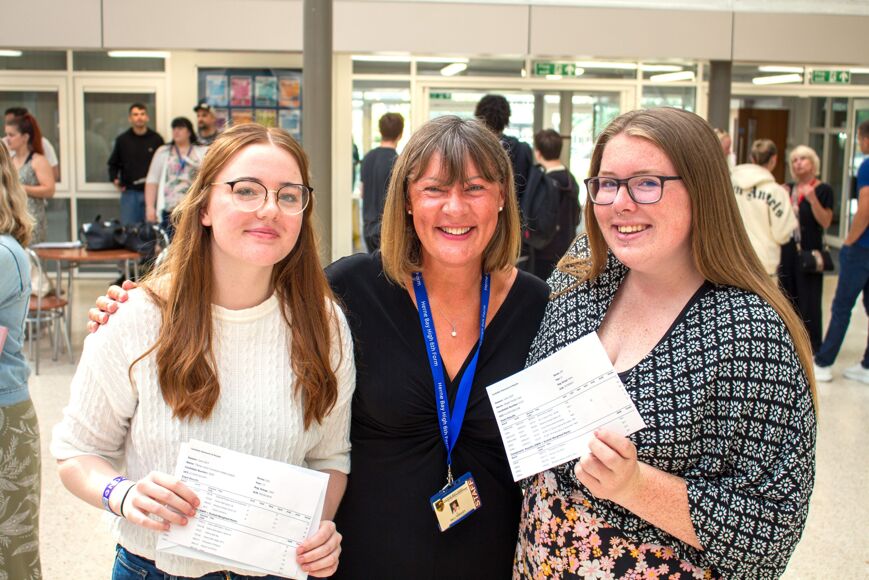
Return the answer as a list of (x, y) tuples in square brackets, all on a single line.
[(853, 279), (132, 206), (129, 566)]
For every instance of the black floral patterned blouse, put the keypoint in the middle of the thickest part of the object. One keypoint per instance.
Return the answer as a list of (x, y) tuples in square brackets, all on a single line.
[(727, 408)]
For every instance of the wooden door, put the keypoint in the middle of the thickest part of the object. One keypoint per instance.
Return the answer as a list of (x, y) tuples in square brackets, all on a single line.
[(756, 124)]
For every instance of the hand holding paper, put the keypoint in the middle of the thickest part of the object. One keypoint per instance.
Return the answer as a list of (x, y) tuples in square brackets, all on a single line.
[(548, 413)]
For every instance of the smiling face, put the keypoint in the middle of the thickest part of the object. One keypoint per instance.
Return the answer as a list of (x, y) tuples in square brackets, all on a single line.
[(645, 237), (454, 222), (260, 238)]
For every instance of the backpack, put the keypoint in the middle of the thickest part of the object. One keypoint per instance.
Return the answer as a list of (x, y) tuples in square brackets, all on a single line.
[(540, 206)]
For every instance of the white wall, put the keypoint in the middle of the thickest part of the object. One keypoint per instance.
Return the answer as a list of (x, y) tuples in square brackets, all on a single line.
[(51, 23)]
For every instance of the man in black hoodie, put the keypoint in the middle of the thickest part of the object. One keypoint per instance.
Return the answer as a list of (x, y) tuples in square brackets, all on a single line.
[(129, 162)]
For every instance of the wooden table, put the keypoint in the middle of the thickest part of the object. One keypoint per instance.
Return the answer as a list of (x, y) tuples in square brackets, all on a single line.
[(72, 257)]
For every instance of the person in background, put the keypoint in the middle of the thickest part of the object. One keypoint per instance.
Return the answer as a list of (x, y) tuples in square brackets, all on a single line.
[(47, 147), (19, 429), (812, 202), (129, 162), (764, 204), (171, 174), (206, 350), (547, 152), (853, 278), (717, 484), (374, 175), (494, 111), (206, 121), (726, 146), (24, 139)]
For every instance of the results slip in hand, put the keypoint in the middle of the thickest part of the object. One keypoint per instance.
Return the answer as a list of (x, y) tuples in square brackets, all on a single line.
[(548, 412), (253, 512)]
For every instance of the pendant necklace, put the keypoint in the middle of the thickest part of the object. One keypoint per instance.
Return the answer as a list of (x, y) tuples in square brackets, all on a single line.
[(453, 332)]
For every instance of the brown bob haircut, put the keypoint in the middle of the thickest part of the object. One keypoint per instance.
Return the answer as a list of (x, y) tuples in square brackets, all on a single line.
[(455, 141), (182, 288), (719, 244)]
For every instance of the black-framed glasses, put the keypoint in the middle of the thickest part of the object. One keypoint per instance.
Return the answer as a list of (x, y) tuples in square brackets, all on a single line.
[(641, 188), (249, 195)]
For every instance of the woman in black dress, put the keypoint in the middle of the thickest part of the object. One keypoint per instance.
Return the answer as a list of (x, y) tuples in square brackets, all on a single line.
[(813, 203), (451, 214)]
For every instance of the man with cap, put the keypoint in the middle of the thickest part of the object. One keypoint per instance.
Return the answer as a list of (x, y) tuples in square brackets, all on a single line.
[(206, 121)]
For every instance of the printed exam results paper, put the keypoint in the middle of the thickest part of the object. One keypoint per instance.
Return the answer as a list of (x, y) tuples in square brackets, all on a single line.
[(548, 412), (253, 512)]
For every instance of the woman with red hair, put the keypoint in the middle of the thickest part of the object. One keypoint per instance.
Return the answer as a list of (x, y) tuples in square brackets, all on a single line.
[(24, 140)]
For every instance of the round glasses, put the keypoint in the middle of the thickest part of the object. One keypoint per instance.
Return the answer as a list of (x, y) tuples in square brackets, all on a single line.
[(250, 196), (641, 188)]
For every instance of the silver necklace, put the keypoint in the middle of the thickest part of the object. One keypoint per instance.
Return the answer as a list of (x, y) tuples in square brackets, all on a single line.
[(453, 332)]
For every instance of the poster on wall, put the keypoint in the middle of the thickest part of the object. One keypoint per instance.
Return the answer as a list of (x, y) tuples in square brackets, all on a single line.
[(266, 91), (266, 117), (240, 116), (222, 116), (216, 90), (241, 91), (291, 121), (290, 90)]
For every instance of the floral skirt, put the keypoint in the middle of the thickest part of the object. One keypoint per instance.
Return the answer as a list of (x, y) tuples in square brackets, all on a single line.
[(559, 539), (19, 493)]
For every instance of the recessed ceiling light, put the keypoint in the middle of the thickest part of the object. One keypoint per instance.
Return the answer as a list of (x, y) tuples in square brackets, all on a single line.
[(138, 54), (781, 69), (778, 79), (453, 69), (685, 75), (12, 53)]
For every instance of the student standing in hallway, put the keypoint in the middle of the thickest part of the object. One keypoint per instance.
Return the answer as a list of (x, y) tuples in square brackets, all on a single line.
[(129, 162), (375, 172), (853, 278)]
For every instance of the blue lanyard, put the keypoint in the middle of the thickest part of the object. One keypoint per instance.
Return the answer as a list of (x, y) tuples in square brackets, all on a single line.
[(450, 423), (182, 160)]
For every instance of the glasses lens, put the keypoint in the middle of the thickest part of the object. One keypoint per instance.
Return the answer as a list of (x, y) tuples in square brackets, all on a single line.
[(248, 195), (602, 190), (293, 199), (646, 188)]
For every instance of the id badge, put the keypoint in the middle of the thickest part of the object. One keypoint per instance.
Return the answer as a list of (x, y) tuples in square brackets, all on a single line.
[(455, 502)]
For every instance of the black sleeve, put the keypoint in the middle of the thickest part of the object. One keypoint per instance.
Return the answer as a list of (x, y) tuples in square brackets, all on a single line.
[(825, 195), (115, 161)]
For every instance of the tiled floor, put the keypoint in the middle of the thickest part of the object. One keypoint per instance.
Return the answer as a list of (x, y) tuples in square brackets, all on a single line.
[(76, 543)]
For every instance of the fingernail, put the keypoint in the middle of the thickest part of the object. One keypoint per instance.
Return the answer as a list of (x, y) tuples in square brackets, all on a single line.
[(183, 521)]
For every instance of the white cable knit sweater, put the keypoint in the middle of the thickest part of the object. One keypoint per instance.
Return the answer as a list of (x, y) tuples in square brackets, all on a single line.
[(257, 412)]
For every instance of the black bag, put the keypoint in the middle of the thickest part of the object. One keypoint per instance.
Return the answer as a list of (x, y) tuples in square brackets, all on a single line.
[(140, 237), (99, 235), (816, 261), (540, 206)]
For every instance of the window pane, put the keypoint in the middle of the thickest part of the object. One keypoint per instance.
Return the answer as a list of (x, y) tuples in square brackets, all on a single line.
[(105, 117), (819, 112), (834, 171), (35, 60), (57, 214), (840, 112), (43, 105), (94, 60), (662, 96), (375, 67)]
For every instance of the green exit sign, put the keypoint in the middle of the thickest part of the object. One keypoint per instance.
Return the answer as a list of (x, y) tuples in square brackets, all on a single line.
[(565, 69), (440, 96), (831, 77)]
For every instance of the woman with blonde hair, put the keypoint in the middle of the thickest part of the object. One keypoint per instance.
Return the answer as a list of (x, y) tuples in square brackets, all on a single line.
[(19, 430), (713, 356), (234, 340), (24, 139), (812, 202)]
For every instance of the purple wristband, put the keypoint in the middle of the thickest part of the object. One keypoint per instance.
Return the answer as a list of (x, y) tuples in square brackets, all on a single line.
[(107, 492)]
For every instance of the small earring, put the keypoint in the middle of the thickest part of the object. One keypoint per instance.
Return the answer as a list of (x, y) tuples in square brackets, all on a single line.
[(501, 208), (410, 212)]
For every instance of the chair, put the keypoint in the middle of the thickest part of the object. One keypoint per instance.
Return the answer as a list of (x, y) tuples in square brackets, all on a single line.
[(45, 310)]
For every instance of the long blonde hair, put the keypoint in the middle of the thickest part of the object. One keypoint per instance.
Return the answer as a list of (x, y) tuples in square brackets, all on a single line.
[(719, 244), (455, 140), (15, 220), (182, 286)]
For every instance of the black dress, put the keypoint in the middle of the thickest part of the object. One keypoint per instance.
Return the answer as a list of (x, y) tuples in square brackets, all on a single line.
[(398, 457)]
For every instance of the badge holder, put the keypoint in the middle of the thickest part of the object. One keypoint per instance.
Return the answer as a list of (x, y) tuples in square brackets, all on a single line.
[(456, 501)]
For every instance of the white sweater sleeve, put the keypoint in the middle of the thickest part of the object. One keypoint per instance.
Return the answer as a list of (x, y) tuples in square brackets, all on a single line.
[(102, 399), (333, 449)]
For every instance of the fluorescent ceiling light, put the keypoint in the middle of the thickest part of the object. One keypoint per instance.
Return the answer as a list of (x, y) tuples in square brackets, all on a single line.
[(404, 58), (604, 64), (859, 71), (685, 75), (778, 79), (661, 68), (454, 69), (138, 54), (781, 69), (10, 53)]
